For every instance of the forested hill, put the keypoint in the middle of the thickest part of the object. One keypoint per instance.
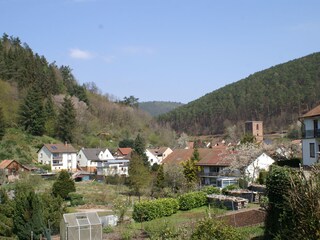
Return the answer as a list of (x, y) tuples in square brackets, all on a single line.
[(156, 108), (42, 102), (276, 96)]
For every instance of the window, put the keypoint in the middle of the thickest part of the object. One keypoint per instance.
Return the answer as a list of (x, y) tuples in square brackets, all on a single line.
[(257, 126), (312, 150)]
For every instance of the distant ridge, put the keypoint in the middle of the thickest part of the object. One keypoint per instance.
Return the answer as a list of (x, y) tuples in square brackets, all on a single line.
[(155, 108), (277, 96)]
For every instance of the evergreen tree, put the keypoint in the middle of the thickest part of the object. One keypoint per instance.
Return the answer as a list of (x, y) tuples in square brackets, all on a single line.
[(139, 176), (160, 183), (28, 218), (50, 116), (63, 185), (31, 112), (139, 148), (190, 169), (66, 120), (2, 124)]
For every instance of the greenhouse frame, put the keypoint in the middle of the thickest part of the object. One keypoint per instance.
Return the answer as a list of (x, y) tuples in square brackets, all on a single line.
[(81, 226)]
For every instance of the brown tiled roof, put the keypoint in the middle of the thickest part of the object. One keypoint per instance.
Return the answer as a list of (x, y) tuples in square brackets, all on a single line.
[(158, 151), (125, 151), (313, 112), (5, 163), (208, 156), (60, 148)]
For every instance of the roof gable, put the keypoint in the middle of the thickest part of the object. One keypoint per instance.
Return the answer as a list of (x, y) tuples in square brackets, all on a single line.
[(92, 153), (124, 151), (313, 112)]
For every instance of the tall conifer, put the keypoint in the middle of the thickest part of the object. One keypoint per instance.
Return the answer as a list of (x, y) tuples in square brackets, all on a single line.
[(2, 124), (66, 120)]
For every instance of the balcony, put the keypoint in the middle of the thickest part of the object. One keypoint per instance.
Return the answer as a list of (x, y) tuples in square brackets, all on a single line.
[(311, 133), (57, 164), (209, 174)]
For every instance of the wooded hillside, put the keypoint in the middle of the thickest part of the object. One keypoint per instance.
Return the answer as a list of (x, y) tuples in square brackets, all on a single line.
[(156, 108), (40, 99), (276, 96)]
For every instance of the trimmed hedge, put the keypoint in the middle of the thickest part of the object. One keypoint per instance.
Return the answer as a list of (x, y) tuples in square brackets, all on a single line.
[(192, 200), (149, 210)]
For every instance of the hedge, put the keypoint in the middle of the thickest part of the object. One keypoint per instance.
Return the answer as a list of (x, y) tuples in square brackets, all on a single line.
[(149, 210), (192, 200)]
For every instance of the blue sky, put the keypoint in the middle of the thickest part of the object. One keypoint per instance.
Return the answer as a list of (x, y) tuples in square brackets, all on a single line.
[(170, 50)]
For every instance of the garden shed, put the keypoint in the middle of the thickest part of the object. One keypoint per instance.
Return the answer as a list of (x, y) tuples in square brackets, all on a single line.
[(81, 226)]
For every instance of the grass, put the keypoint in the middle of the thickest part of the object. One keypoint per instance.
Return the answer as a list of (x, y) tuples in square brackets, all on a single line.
[(251, 232)]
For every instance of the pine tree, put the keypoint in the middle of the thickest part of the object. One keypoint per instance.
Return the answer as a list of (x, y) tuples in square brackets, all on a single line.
[(139, 176), (139, 146), (160, 178), (190, 169), (63, 185), (66, 120), (2, 124), (28, 215), (31, 112), (50, 117)]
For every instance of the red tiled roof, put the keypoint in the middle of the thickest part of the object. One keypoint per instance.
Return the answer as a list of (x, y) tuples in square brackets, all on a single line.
[(60, 148), (125, 151), (208, 156), (5, 163), (313, 112)]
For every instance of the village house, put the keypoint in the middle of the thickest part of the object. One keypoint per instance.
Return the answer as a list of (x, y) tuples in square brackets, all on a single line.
[(59, 156), (113, 167), (88, 158), (160, 153), (263, 162), (124, 153), (11, 169)]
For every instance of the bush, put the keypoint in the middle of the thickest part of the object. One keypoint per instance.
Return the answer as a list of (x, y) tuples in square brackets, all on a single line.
[(211, 190), (76, 199), (262, 176), (161, 230), (192, 200), (228, 188), (149, 210), (210, 228), (63, 185)]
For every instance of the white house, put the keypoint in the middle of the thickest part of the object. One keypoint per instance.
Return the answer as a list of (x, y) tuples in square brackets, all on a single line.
[(160, 153), (112, 167), (311, 137), (88, 158), (152, 159), (262, 162), (59, 156)]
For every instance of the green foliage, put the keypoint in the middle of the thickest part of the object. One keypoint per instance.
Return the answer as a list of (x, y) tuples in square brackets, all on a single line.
[(130, 101), (161, 230), (31, 112), (190, 169), (155, 108), (107, 229), (192, 200), (53, 211), (76, 199), (149, 210), (210, 228), (228, 188), (262, 177), (63, 185), (278, 185), (248, 138), (160, 183), (139, 148), (120, 208), (6, 214), (277, 95), (126, 143), (28, 214), (66, 121), (2, 124), (211, 190), (139, 176)]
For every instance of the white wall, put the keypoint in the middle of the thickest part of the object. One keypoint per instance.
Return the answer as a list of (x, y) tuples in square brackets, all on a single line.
[(306, 159), (262, 162)]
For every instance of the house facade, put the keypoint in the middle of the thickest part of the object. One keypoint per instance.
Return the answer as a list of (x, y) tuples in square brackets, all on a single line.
[(160, 153), (11, 169), (59, 156), (311, 137), (124, 153), (113, 167), (263, 162), (88, 158)]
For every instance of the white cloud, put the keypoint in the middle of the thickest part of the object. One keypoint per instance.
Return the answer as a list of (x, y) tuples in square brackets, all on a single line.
[(138, 50), (80, 54)]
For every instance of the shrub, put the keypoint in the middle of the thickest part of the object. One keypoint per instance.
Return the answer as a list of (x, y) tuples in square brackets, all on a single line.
[(192, 200), (210, 228), (76, 199), (161, 230), (63, 185), (228, 188), (262, 176), (149, 210), (211, 190)]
